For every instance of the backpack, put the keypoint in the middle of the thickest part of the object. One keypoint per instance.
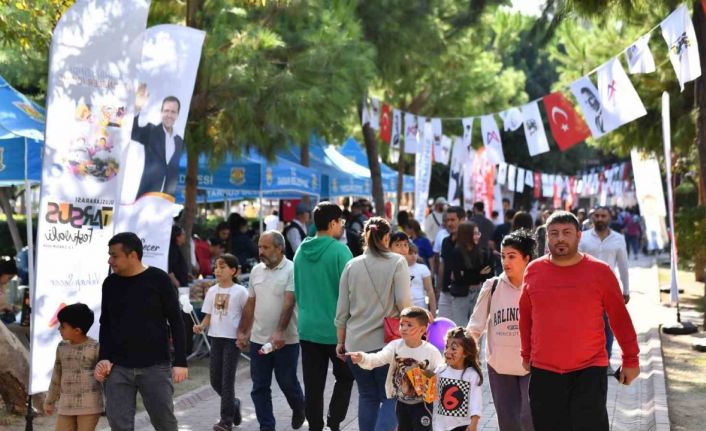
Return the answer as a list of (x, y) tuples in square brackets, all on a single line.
[(288, 250)]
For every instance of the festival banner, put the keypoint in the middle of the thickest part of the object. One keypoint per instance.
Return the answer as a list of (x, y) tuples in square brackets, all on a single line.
[(639, 56), (468, 189), (511, 173), (483, 179), (678, 32), (467, 131), (618, 97), (502, 173), (512, 119), (167, 73), (529, 178), (93, 61), (396, 136), (534, 130), (650, 197), (374, 116), (520, 184), (411, 139), (422, 174), (446, 143), (568, 128), (385, 123), (436, 138), (491, 139), (587, 95), (459, 155), (537, 193)]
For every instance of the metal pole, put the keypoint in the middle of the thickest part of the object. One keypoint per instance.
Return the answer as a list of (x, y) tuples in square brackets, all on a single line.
[(259, 211), (30, 260)]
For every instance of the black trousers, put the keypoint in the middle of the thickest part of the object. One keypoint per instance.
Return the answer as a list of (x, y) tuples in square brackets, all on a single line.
[(574, 401), (315, 359), (414, 417), (223, 362)]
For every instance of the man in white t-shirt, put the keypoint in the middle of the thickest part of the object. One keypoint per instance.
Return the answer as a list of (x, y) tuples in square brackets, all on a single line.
[(270, 316), (434, 221), (272, 221)]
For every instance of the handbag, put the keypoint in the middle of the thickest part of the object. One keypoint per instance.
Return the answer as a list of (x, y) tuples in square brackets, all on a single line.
[(390, 325)]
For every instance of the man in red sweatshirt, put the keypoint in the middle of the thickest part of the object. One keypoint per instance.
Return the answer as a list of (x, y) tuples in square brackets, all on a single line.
[(562, 331)]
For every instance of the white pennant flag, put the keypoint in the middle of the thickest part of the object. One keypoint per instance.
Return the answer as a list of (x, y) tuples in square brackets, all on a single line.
[(375, 113), (511, 173), (436, 138), (534, 130), (365, 113), (422, 133), (547, 185), (396, 135), (468, 189), (491, 139), (678, 32), (459, 157), (502, 173), (520, 185), (445, 150), (467, 131), (512, 119), (422, 177), (587, 95), (618, 97), (410, 134), (639, 56), (529, 178)]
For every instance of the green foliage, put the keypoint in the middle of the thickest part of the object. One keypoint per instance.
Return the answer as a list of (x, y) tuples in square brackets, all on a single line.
[(691, 234)]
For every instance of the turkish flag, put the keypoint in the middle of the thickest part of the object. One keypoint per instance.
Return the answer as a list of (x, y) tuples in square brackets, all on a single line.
[(568, 127), (385, 123)]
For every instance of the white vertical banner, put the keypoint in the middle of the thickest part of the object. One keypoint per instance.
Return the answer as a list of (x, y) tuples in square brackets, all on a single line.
[(167, 74), (468, 189), (534, 130), (467, 131), (422, 174), (491, 139), (396, 136), (621, 103), (667, 138), (459, 156), (446, 144), (650, 196), (520, 184), (639, 56), (410, 134), (529, 178), (374, 113), (678, 32), (502, 173), (437, 135), (512, 119), (93, 62), (511, 173)]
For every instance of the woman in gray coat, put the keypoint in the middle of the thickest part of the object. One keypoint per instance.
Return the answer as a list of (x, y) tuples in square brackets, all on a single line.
[(373, 286)]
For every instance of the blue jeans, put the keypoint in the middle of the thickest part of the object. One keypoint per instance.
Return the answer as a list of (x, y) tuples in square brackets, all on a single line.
[(154, 384), (284, 363), (376, 412), (608, 335)]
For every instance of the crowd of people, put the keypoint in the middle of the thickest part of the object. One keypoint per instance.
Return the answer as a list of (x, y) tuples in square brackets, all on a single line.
[(358, 296)]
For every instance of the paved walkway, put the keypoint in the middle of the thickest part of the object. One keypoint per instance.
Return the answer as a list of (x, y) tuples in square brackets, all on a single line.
[(641, 406)]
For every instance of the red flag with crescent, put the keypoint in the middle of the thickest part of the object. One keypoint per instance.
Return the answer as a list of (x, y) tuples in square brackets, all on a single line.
[(385, 123), (568, 127)]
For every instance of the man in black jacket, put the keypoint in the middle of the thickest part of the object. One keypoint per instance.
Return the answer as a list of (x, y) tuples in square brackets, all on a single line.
[(137, 304), (163, 147)]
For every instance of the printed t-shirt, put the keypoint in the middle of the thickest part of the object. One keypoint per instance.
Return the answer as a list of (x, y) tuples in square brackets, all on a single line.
[(225, 305), (418, 272), (460, 398)]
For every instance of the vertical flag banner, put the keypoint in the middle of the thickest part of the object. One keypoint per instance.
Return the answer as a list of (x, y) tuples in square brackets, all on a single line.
[(375, 113), (567, 126), (534, 130), (520, 184), (396, 136), (483, 178), (491, 139), (167, 74), (445, 150), (618, 97), (410, 134), (678, 32), (650, 197), (467, 131), (459, 155), (587, 95), (436, 138), (639, 56), (537, 185), (422, 175), (468, 190), (512, 119), (511, 173), (365, 113), (385, 123), (529, 178), (502, 173), (94, 56)]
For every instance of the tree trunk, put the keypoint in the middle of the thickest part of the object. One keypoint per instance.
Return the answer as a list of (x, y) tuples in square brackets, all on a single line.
[(304, 160), (699, 20), (371, 149), (11, 224), (14, 374)]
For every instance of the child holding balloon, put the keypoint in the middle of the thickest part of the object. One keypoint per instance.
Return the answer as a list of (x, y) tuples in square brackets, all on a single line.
[(459, 404), (223, 307)]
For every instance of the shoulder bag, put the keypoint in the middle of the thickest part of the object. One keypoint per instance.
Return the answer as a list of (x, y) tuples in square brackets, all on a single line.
[(391, 325)]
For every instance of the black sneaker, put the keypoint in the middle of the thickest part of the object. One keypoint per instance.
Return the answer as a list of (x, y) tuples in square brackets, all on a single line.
[(298, 418), (237, 419), (220, 426)]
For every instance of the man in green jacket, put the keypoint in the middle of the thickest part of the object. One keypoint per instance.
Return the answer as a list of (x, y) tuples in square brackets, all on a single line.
[(318, 265)]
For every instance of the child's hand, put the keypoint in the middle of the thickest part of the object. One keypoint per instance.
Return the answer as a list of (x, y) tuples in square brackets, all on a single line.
[(48, 409), (356, 357), (102, 370), (198, 329)]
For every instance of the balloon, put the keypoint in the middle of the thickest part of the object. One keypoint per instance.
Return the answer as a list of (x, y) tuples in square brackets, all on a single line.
[(437, 331)]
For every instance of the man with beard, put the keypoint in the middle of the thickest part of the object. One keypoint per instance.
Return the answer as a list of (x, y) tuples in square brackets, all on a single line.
[(564, 297), (607, 245), (318, 265)]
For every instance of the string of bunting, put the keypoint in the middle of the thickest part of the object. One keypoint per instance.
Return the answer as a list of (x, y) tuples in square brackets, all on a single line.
[(613, 103)]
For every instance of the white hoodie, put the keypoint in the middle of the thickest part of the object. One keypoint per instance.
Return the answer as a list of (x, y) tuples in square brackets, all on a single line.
[(503, 339)]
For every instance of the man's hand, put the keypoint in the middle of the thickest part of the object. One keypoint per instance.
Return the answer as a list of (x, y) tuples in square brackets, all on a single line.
[(356, 357), (242, 340), (627, 375), (277, 340), (341, 351), (102, 370), (525, 365), (48, 409), (141, 97), (198, 329), (626, 298), (179, 374)]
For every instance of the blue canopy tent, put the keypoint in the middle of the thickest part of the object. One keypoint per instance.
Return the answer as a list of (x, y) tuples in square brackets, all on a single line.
[(21, 139), (352, 149)]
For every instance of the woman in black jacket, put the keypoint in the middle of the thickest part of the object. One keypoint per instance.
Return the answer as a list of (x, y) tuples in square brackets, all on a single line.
[(470, 265)]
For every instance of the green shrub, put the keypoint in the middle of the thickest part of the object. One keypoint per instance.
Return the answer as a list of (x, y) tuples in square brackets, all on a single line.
[(691, 235)]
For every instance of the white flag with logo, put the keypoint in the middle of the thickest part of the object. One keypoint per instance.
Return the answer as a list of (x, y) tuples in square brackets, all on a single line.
[(396, 135), (512, 119), (375, 113), (534, 130), (436, 138), (520, 185), (422, 132), (445, 150), (618, 97), (459, 158), (529, 178), (587, 95), (511, 181), (678, 32), (411, 135), (502, 173), (639, 56), (491, 139), (467, 131), (422, 177)]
